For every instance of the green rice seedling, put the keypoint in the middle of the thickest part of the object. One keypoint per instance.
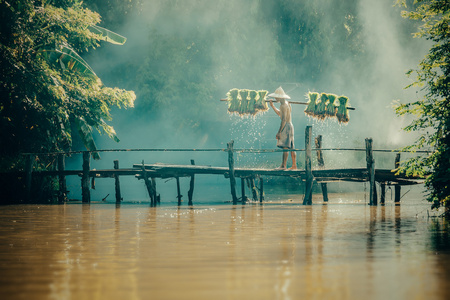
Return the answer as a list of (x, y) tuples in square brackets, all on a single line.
[(244, 102), (252, 103), (233, 101), (261, 104), (310, 109), (342, 111), (320, 108), (331, 106)]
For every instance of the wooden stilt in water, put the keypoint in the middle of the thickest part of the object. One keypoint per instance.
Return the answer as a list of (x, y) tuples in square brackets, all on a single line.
[(308, 168), (191, 185), (62, 179), (261, 189), (370, 170), (150, 191), (253, 187), (383, 193), (156, 197), (178, 190), (244, 198), (29, 161), (324, 192), (321, 163), (149, 186), (117, 183), (375, 194), (231, 171), (85, 193), (397, 188)]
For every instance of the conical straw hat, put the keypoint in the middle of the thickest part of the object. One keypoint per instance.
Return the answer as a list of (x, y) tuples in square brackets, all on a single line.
[(280, 94)]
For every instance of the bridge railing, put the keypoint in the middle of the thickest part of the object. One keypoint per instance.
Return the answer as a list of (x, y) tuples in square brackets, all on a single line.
[(85, 172)]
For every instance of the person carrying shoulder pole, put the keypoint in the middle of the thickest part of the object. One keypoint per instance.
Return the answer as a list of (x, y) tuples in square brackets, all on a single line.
[(285, 135)]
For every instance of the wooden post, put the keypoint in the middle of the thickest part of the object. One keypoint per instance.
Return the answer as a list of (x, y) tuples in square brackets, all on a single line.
[(383, 193), (156, 197), (261, 189), (62, 178), (318, 144), (321, 163), (375, 194), (231, 170), (86, 195), (191, 185), (324, 191), (117, 182), (178, 190), (308, 168), (397, 188), (253, 187), (370, 170), (29, 161), (244, 198), (148, 185)]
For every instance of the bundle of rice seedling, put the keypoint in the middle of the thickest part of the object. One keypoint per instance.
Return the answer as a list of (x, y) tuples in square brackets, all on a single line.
[(252, 103), (233, 101), (261, 104), (342, 111), (320, 108), (244, 102), (310, 109), (331, 107)]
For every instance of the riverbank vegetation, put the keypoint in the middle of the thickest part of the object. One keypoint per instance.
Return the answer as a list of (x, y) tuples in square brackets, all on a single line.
[(49, 93), (432, 111)]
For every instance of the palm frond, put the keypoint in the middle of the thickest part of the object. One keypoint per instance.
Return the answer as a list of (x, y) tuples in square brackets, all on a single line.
[(85, 131), (108, 35), (68, 58)]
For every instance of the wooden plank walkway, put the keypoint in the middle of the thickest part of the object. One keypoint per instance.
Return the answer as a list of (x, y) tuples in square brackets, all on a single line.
[(161, 170), (149, 172), (382, 176)]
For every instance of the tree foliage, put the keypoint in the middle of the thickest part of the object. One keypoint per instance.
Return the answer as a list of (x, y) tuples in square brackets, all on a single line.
[(431, 112), (47, 90)]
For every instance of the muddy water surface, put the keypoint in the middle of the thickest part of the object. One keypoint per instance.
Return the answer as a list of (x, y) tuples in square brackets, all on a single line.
[(343, 250)]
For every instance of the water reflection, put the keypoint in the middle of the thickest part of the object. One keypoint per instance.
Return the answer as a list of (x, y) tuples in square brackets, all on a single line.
[(288, 251), (440, 237)]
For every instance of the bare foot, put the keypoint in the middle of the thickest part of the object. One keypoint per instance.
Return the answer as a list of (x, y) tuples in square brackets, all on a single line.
[(293, 168), (280, 168)]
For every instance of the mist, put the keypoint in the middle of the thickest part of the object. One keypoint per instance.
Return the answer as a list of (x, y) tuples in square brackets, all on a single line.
[(182, 57)]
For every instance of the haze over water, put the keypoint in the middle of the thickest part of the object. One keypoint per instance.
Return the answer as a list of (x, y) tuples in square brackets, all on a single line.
[(278, 250)]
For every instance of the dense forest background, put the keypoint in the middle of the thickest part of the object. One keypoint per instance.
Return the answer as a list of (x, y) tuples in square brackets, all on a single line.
[(181, 57)]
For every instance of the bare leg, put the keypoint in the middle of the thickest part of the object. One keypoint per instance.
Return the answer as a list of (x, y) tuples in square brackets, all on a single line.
[(285, 158), (294, 160), (284, 161)]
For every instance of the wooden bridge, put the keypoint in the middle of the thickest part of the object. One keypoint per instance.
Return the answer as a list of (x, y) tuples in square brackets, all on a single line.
[(150, 172)]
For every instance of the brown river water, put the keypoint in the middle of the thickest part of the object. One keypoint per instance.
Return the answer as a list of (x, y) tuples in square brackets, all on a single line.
[(278, 250)]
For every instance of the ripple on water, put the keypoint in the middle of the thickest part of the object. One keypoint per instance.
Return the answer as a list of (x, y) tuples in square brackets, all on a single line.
[(343, 250)]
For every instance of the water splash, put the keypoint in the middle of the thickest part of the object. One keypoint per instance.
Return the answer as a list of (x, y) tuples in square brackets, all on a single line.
[(249, 133)]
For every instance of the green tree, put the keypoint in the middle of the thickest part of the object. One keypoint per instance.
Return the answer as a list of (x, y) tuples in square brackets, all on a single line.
[(432, 111), (47, 90)]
